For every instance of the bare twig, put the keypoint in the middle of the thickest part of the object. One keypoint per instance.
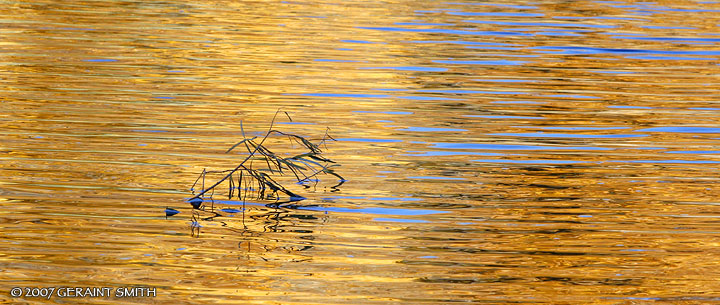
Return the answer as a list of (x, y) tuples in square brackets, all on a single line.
[(303, 166)]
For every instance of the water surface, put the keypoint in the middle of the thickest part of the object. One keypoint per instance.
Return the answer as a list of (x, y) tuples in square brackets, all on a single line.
[(509, 152)]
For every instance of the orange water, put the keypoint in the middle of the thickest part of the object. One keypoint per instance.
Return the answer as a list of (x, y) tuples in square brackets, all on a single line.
[(524, 152)]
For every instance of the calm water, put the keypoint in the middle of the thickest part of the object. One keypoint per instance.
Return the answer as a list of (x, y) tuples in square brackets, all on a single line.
[(506, 152)]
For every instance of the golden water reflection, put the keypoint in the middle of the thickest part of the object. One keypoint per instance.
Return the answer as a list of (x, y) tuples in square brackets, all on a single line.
[(544, 152)]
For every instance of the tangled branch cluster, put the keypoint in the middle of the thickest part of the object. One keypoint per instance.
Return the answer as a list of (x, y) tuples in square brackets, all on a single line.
[(247, 183)]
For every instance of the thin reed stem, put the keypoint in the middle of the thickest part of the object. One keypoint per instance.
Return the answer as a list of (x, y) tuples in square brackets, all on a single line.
[(267, 187)]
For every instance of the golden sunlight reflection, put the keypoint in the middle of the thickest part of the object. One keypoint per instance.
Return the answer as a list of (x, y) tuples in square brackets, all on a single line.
[(514, 152)]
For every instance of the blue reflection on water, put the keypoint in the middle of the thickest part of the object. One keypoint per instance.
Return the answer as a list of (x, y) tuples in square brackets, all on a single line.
[(500, 48), (374, 198), (655, 57), (515, 102), (369, 140), (556, 34), (228, 210), (501, 62), (356, 41), (596, 17), (372, 210), (628, 107), (379, 211), (400, 220), (513, 147), (435, 178), (526, 161), (515, 6), (426, 98), (548, 24), (450, 153), (457, 91), (574, 96), (101, 60), (409, 68), (463, 42), (385, 112), (693, 152), (499, 14), (644, 6), (445, 31), (643, 148), (667, 161), (505, 117), (576, 50), (655, 27), (566, 135), (576, 127), (682, 129), (347, 95), (423, 23), (431, 129), (669, 39)]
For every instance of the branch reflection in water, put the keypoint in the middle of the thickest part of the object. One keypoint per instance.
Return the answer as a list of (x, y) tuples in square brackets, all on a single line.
[(260, 185)]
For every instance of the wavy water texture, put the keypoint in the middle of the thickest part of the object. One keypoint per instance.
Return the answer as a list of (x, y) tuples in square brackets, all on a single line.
[(537, 152)]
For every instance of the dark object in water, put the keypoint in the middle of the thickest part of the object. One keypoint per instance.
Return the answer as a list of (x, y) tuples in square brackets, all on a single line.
[(196, 202), (248, 181), (170, 212)]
